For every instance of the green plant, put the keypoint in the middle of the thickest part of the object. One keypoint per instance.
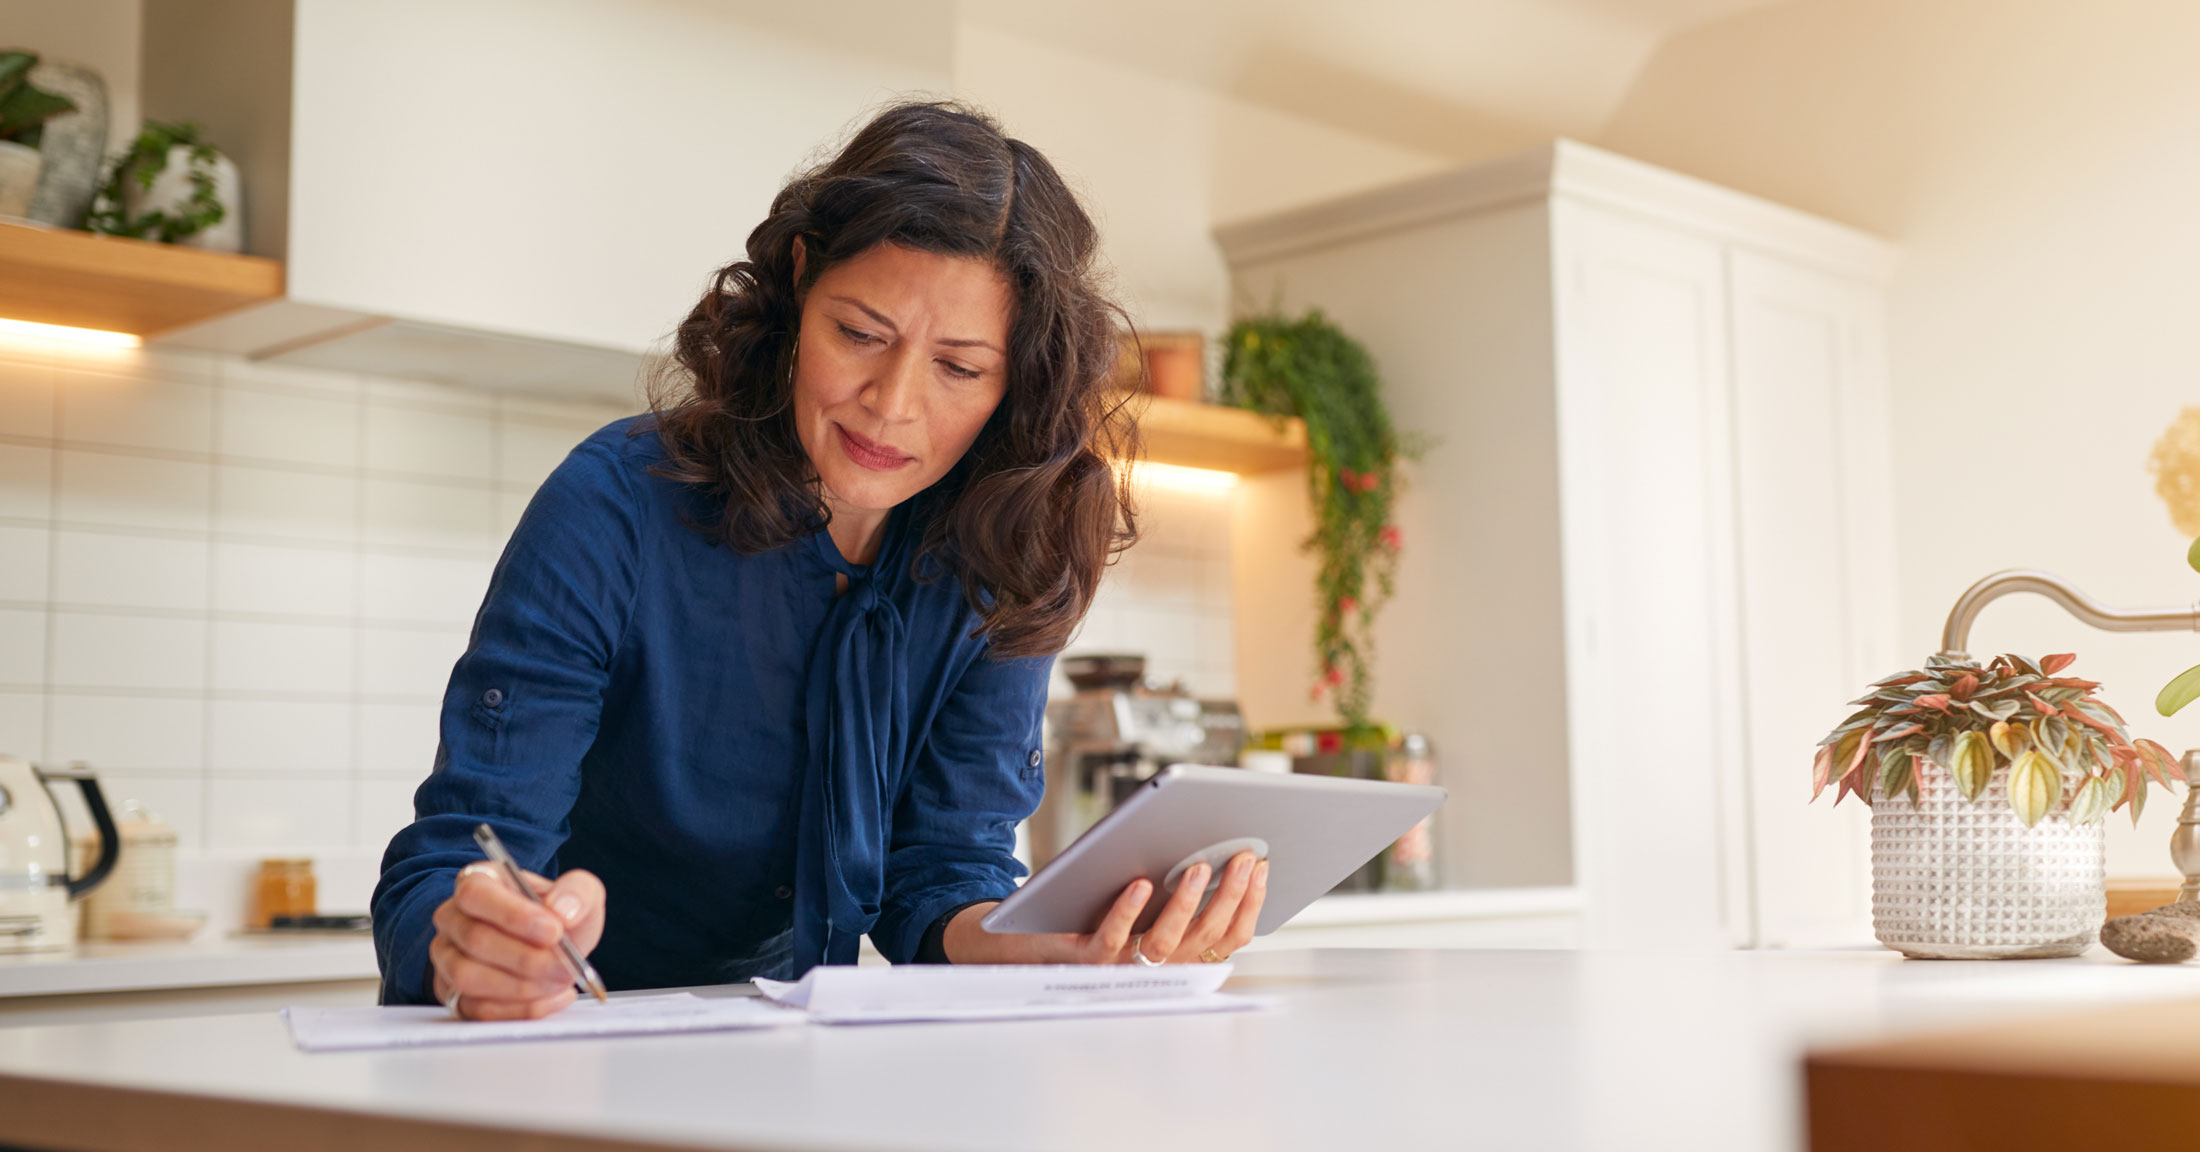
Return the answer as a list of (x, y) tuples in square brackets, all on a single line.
[(1307, 367), (145, 160), (24, 109), (2186, 687), (1965, 719)]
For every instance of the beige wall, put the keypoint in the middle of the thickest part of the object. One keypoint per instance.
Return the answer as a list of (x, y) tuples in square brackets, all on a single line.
[(2035, 161), (1159, 162)]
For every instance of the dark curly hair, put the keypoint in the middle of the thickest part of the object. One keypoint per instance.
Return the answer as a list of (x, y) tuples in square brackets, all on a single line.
[(1034, 511)]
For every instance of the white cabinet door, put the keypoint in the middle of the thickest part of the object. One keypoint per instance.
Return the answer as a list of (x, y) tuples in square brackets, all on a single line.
[(1817, 587), (1645, 461)]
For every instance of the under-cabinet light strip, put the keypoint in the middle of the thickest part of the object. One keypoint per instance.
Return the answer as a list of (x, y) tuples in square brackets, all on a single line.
[(27, 330), (1178, 476)]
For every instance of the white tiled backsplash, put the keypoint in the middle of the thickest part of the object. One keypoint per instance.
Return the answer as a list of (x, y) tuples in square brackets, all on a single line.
[(237, 589), (1169, 598)]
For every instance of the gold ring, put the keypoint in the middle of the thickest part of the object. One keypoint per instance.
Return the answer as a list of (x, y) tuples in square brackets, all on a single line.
[(1208, 957)]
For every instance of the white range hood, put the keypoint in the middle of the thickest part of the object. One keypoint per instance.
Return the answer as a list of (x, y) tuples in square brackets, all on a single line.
[(511, 193)]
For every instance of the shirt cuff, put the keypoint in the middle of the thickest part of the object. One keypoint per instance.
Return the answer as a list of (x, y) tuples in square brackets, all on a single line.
[(403, 929), (933, 948)]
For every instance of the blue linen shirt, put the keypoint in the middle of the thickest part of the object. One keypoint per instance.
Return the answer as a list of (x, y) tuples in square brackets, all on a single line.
[(759, 769)]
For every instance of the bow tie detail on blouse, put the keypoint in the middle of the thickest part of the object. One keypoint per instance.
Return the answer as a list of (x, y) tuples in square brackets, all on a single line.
[(857, 700)]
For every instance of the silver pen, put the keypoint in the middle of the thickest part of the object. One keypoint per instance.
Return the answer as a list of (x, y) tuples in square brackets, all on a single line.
[(584, 974)]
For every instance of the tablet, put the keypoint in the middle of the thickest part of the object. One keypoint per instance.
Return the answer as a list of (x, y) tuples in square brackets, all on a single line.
[(1313, 830)]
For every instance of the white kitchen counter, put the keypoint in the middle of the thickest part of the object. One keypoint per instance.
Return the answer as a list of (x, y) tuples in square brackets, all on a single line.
[(219, 961), (211, 961), (1437, 906), (1365, 1049)]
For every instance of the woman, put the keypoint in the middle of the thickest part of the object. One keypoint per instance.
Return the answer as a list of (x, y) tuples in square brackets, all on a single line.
[(764, 671)]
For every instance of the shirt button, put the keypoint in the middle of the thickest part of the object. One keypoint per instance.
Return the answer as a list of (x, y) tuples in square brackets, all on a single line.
[(1033, 759), (783, 892), (493, 697)]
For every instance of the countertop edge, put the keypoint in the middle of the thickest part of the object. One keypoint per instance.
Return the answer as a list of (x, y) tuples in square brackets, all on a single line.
[(1346, 909), (208, 964)]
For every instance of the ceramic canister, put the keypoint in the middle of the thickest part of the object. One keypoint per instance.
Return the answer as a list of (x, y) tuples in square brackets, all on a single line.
[(172, 189), (19, 166), (1965, 879), (73, 145), (143, 884)]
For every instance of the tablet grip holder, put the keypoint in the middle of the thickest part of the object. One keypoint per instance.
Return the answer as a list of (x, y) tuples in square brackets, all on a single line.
[(1214, 856)]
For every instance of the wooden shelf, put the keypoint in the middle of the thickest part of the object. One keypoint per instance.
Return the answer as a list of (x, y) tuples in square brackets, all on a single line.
[(1211, 436), (57, 276)]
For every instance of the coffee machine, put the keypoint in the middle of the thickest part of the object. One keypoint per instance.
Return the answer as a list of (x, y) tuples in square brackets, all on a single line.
[(1112, 736)]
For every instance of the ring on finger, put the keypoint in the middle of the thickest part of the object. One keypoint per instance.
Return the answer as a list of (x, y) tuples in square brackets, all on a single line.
[(451, 1003), (1207, 956), (1138, 953)]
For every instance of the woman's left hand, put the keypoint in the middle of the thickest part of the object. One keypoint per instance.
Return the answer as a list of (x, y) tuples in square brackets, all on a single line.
[(1183, 933)]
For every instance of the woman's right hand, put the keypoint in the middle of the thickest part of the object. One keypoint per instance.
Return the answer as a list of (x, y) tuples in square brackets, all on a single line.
[(498, 950)]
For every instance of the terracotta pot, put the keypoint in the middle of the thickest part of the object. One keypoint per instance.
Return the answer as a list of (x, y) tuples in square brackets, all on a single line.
[(1173, 370)]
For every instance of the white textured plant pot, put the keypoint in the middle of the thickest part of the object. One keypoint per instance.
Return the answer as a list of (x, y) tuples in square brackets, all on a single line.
[(171, 192), (19, 164), (1957, 880)]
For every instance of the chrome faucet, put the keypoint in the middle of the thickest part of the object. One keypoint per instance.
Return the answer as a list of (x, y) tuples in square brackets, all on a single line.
[(2184, 844)]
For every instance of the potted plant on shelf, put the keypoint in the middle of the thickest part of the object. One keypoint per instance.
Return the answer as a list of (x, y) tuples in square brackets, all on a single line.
[(1308, 368), (1987, 785), (24, 110), (173, 187)]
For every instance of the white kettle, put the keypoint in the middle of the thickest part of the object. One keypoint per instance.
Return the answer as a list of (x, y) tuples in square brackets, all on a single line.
[(37, 912)]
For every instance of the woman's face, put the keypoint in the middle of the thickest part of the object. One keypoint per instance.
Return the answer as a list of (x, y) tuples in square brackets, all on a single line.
[(902, 357)]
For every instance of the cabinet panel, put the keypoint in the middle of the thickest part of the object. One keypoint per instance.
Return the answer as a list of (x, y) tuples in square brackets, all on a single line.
[(1457, 314), (1645, 459), (1816, 586)]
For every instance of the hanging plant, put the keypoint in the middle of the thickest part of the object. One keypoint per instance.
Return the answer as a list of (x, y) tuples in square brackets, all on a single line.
[(1308, 368), (146, 159)]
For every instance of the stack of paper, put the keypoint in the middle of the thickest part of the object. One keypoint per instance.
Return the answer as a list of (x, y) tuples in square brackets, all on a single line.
[(827, 995), (880, 995), (338, 1029)]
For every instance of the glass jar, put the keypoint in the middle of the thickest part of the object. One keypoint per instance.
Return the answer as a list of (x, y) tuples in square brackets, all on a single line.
[(143, 884), (1409, 864), (282, 888)]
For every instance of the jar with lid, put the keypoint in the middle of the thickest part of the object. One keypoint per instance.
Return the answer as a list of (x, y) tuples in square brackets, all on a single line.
[(1409, 864), (142, 887), (282, 888)]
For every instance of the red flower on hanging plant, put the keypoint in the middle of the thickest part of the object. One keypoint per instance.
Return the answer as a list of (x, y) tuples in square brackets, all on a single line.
[(1347, 605), (1334, 676), (1390, 537)]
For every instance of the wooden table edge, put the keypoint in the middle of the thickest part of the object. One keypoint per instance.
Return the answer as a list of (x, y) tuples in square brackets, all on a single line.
[(2124, 1075), (71, 1116)]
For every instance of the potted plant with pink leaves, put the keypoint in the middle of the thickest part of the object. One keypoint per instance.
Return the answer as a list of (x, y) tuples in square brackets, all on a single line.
[(1988, 784)]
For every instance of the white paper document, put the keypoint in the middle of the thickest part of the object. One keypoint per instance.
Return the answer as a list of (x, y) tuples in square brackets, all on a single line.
[(410, 1026), (870, 994)]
